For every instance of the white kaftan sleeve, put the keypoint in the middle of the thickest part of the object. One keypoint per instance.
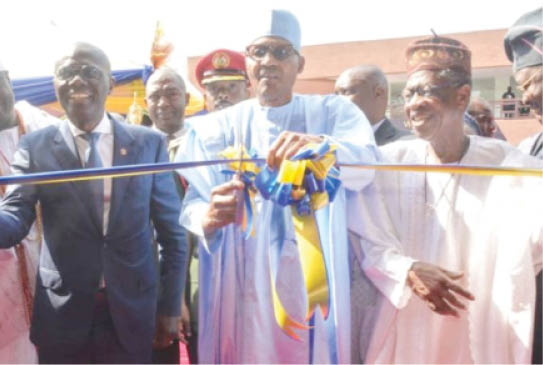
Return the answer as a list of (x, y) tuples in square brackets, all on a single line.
[(384, 261)]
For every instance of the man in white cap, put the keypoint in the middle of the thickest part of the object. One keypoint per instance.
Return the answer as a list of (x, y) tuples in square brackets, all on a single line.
[(18, 264), (237, 323)]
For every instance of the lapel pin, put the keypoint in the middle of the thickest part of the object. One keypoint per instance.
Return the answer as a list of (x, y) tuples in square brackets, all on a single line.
[(123, 151)]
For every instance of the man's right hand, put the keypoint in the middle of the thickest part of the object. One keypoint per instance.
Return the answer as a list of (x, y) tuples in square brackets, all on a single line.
[(437, 287), (222, 207)]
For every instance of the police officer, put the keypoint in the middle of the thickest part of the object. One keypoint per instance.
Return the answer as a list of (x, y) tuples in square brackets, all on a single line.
[(221, 74)]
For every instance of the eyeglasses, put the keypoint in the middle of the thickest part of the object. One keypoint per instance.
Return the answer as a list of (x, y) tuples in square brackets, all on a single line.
[(257, 52), (88, 72), (428, 91)]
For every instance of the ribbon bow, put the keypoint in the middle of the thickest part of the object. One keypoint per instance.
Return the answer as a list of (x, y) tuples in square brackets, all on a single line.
[(307, 182)]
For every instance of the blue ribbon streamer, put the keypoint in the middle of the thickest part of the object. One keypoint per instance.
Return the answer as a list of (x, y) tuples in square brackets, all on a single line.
[(270, 189), (248, 178)]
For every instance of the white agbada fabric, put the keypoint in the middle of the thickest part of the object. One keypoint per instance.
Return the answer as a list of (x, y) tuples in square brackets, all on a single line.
[(236, 323), (527, 144), (490, 228), (15, 345)]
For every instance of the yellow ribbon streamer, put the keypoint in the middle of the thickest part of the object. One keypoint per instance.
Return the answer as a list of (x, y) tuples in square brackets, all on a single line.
[(307, 240), (312, 261), (463, 170)]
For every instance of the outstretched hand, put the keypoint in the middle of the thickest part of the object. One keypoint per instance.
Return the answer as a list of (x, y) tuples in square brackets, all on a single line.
[(438, 288)]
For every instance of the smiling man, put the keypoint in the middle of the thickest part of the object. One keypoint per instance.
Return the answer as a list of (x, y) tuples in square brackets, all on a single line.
[(96, 292), (524, 47), (237, 323), (454, 254)]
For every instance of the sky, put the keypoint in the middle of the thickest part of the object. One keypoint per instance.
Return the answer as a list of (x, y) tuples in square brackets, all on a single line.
[(35, 33)]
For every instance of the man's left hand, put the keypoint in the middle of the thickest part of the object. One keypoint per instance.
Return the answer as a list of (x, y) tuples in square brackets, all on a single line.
[(287, 145), (165, 332)]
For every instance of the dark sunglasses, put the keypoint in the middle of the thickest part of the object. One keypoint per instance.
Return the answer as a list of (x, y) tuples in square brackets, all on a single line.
[(258, 52), (88, 72)]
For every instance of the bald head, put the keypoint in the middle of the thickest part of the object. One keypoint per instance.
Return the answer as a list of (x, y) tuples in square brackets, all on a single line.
[(367, 87), (168, 73), (86, 51), (481, 110), (166, 98)]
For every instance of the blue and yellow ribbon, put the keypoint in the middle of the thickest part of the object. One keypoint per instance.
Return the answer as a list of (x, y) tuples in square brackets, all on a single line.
[(247, 172), (51, 177), (307, 182)]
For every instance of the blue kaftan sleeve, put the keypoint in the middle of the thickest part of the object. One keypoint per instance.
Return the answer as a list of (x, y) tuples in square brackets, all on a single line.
[(201, 144), (17, 212)]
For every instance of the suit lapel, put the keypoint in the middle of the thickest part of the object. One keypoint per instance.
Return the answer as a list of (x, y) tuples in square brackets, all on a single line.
[(384, 133), (64, 148), (125, 152), (67, 157)]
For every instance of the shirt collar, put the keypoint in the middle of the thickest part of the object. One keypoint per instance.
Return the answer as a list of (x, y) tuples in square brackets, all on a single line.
[(376, 126), (179, 133), (104, 127)]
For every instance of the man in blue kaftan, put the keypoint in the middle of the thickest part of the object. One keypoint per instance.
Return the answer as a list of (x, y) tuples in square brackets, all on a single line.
[(237, 323)]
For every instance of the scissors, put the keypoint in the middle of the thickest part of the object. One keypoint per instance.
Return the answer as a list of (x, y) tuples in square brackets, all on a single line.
[(239, 193)]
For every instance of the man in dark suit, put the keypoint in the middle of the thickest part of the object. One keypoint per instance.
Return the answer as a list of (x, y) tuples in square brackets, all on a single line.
[(367, 87), (96, 292), (166, 98)]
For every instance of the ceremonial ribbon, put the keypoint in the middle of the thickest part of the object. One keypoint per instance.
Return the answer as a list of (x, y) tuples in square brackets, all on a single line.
[(151, 168), (307, 182), (247, 172)]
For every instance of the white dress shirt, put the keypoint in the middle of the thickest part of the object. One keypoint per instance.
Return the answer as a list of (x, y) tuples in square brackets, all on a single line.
[(105, 150)]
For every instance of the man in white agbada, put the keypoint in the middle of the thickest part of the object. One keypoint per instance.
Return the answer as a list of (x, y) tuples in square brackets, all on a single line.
[(468, 247), (237, 323), (17, 265)]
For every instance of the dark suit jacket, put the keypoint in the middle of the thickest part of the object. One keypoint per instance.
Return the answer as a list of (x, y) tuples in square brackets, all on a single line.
[(76, 253), (387, 133)]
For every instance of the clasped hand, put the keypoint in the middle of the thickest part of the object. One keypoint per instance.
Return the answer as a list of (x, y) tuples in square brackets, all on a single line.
[(224, 198)]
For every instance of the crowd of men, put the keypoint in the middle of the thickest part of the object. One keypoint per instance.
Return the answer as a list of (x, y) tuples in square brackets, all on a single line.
[(422, 267)]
